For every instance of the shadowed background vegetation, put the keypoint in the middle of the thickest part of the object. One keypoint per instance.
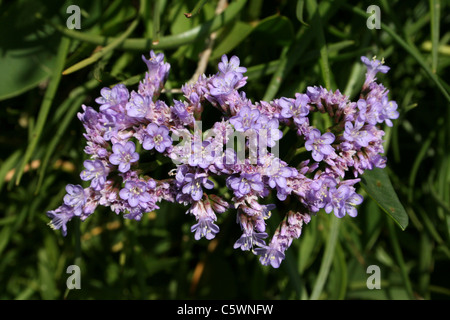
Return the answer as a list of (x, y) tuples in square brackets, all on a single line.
[(286, 46)]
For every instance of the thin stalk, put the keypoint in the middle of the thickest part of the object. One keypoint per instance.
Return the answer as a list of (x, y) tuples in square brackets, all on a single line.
[(167, 42), (101, 53), (327, 258)]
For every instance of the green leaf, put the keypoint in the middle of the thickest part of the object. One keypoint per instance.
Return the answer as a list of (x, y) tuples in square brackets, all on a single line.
[(26, 49), (237, 33), (377, 184), (275, 30)]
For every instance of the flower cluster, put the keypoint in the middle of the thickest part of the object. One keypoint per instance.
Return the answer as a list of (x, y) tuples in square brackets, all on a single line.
[(128, 131)]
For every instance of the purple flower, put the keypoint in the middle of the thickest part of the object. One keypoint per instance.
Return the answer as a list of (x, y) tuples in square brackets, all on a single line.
[(249, 239), (89, 118), (319, 144), (124, 155), (354, 133), (112, 97), (297, 109), (138, 106), (204, 154), (205, 227), (108, 125), (135, 192), (369, 111), (155, 61), (205, 217), (157, 74), (277, 178), (373, 67), (245, 183), (60, 217), (75, 198), (343, 200), (157, 137), (246, 119), (180, 113), (270, 255), (231, 66), (224, 85), (96, 172), (268, 131), (389, 111), (192, 184)]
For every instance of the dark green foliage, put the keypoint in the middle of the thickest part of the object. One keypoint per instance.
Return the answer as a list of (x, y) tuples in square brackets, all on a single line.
[(286, 46)]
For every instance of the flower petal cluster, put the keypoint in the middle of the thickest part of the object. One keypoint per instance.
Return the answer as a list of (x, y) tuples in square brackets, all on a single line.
[(130, 133)]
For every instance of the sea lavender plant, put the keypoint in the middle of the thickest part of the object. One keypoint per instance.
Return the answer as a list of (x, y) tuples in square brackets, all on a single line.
[(131, 130)]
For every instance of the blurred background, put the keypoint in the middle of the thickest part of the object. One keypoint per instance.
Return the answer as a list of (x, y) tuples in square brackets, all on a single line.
[(286, 46)]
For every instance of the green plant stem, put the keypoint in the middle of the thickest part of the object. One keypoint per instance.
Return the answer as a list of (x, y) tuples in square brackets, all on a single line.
[(399, 257), (196, 9), (167, 42), (99, 54), (327, 257)]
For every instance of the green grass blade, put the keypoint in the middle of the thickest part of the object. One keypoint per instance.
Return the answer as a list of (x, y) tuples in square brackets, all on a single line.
[(320, 38), (327, 257), (198, 7), (101, 53), (46, 104), (400, 259), (156, 22), (167, 42), (299, 12), (435, 6), (410, 48)]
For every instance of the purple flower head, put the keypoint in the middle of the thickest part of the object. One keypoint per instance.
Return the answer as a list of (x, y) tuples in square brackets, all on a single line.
[(389, 111), (108, 125), (270, 255), (354, 133), (277, 175), (180, 113), (157, 74), (245, 183), (268, 133), (250, 239), (75, 198), (89, 118), (60, 217), (112, 97), (157, 137), (203, 154), (155, 61), (192, 183), (231, 66), (246, 119), (343, 200), (205, 227), (222, 86), (373, 67), (124, 155), (135, 192), (313, 93), (205, 217), (138, 106), (96, 172), (297, 109), (320, 145)]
